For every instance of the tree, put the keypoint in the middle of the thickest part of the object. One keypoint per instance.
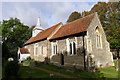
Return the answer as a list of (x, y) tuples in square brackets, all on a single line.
[(85, 13), (0, 30), (109, 14), (74, 16), (14, 34)]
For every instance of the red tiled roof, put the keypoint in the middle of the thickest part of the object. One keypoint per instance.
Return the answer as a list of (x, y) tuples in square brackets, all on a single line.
[(30, 40), (74, 27), (24, 51), (44, 34)]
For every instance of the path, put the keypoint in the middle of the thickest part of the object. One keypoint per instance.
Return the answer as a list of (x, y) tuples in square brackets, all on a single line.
[(55, 73)]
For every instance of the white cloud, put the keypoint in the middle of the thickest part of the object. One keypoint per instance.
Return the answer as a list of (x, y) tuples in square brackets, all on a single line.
[(0, 11), (50, 12), (25, 12), (55, 0), (61, 12), (20, 10)]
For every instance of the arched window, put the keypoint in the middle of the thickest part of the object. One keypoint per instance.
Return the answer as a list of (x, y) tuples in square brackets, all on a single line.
[(36, 49), (72, 46), (98, 38), (54, 48)]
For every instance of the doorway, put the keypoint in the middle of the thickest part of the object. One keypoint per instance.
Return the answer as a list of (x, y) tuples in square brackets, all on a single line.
[(61, 59)]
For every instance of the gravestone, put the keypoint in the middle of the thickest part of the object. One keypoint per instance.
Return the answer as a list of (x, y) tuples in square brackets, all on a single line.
[(32, 64)]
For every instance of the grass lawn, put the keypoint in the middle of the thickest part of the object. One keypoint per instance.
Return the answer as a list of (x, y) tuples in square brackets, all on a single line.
[(109, 72), (74, 73), (26, 72), (0, 71)]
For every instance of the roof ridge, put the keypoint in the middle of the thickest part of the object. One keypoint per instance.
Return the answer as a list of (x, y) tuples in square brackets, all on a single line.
[(39, 35), (56, 29), (80, 25), (49, 27)]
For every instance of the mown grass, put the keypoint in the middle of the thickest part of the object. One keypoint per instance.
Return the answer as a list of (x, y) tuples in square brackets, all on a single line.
[(109, 72), (72, 72), (26, 72), (0, 71)]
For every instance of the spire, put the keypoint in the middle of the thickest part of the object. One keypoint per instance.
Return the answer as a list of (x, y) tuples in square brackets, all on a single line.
[(38, 21), (38, 25), (38, 28)]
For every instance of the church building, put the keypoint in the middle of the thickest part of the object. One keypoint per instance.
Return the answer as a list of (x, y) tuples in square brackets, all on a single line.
[(80, 44)]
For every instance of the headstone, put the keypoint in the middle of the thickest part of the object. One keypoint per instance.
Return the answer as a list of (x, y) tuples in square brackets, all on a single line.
[(51, 75), (10, 59), (32, 64), (47, 60)]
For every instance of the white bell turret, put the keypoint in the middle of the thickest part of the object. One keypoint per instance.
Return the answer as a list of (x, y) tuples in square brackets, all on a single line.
[(38, 28)]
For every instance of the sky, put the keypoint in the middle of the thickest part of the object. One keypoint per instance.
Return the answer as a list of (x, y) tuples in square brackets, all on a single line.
[(50, 13)]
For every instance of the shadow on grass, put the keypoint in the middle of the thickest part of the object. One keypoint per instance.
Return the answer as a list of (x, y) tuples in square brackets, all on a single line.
[(10, 70), (76, 73)]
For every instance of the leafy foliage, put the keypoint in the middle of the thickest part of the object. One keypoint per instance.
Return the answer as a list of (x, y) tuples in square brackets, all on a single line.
[(11, 69), (27, 61), (109, 14), (0, 29), (14, 34), (74, 16)]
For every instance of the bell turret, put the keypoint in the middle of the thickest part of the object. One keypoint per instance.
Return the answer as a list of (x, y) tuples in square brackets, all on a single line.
[(38, 28)]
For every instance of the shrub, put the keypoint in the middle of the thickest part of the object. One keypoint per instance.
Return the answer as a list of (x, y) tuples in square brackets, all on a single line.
[(11, 69), (27, 61)]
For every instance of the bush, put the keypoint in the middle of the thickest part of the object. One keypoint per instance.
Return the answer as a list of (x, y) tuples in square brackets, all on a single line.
[(11, 69), (27, 61)]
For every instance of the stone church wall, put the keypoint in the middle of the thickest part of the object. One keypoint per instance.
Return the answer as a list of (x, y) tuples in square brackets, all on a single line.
[(102, 56), (42, 50), (76, 61), (43, 46)]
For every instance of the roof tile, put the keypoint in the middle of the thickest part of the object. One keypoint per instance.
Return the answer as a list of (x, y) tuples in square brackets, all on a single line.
[(24, 51), (43, 35), (77, 26)]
